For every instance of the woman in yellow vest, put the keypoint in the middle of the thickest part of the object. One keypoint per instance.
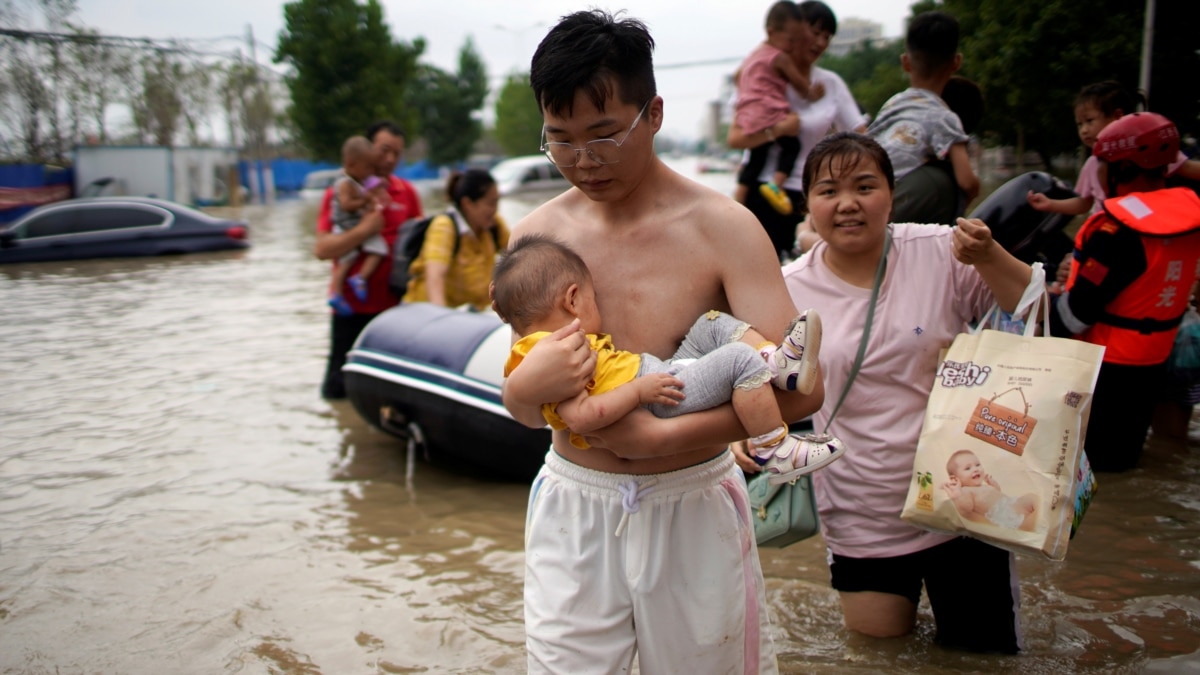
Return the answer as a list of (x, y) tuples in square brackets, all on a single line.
[(455, 264)]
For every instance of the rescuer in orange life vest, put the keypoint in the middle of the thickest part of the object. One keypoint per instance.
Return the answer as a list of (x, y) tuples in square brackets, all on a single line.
[(1131, 281)]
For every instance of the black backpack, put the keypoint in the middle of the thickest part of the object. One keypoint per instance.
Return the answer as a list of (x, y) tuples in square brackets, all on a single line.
[(409, 241)]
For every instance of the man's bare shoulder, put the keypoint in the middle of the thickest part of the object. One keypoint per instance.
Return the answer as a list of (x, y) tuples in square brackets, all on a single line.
[(718, 215), (550, 216)]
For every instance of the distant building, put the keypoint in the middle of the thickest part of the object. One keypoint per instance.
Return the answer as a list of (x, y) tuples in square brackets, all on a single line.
[(853, 32)]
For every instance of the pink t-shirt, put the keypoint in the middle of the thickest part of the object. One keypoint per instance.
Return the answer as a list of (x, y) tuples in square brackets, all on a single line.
[(761, 91), (1088, 184), (926, 299)]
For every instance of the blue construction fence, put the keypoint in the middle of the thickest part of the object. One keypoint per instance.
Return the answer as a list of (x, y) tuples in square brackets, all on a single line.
[(24, 187), (289, 173)]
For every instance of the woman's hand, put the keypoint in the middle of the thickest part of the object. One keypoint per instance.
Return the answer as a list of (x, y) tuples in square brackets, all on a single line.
[(790, 124), (741, 455), (973, 241)]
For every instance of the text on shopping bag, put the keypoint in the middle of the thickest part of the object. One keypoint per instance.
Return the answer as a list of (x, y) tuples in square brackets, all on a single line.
[(1001, 426)]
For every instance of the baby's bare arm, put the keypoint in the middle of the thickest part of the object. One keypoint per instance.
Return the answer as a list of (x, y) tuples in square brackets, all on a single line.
[(350, 197), (584, 413), (1071, 206), (791, 72)]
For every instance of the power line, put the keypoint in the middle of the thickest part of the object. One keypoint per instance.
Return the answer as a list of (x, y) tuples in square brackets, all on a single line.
[(92, 39), (172, 46), (697, 64)]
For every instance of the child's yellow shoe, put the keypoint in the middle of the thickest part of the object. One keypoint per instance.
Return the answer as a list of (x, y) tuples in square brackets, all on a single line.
[(777, 198)]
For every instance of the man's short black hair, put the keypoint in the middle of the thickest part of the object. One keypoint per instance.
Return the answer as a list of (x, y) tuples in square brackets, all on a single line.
[(590, 51), (385, 125), (931, 42)]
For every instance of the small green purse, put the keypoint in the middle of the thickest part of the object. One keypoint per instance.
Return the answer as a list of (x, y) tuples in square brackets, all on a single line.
[(786, 513), (783, 514)]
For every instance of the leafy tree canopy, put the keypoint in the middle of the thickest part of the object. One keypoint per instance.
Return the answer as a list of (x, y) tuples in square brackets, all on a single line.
[(447, 105), (518, 118), (348, 71), (1032, 58), (872, 72)]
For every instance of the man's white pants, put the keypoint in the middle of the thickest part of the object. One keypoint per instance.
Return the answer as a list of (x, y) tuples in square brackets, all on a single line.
[(661, 566)]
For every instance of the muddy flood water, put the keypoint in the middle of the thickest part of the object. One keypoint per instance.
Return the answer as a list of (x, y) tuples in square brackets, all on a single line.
[(175, 497)]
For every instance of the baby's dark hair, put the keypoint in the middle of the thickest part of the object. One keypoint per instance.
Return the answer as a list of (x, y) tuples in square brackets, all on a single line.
[(931, 42), (591, 51), (965, 99), (531, 276), (851, 147), (779, 14), (1109, 97)]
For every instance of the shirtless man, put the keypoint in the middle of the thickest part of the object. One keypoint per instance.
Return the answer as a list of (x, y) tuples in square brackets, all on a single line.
[(680, 587)]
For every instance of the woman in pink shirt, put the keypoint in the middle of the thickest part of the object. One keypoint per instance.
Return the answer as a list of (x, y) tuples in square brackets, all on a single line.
[(935, 281)]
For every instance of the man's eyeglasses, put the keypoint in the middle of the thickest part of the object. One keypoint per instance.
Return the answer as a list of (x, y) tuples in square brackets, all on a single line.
[(600, 151)]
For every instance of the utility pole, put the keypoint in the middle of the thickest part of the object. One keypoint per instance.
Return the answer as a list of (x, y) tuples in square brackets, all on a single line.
[(1147, 51)]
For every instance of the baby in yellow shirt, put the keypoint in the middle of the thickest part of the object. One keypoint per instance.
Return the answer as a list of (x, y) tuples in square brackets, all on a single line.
[(721, 359)]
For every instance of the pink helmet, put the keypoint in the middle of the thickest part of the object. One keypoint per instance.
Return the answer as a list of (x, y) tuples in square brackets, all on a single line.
[(1146, 139)]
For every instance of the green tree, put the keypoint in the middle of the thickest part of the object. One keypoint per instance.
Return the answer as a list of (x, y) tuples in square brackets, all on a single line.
[(157, 103), (347, 70), (518, 118), (1031, 58), (448, 106), (872, 72)]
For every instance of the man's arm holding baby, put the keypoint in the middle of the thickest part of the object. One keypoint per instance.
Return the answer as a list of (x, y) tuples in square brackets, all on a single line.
[(755, 292), (586, 413), (350, 196), (330, 244), (557, 368)]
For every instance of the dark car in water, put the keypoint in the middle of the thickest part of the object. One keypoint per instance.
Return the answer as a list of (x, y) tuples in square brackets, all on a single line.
[(116, 227)]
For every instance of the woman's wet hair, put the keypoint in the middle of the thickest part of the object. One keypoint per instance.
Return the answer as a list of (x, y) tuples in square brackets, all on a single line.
[(1109, 97), (591, 51), (470, 184), (851, 148)]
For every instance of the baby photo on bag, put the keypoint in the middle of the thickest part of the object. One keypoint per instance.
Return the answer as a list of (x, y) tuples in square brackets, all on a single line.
[(999, 454)]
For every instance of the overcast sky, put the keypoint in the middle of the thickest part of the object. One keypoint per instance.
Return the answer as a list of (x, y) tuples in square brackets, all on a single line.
[(505, 33)]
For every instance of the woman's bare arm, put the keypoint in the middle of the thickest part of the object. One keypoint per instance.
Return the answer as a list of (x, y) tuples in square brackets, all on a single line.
[(740, 140)]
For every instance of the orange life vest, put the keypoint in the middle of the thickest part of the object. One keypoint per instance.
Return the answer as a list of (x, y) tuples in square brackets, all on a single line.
[(1138, 327)]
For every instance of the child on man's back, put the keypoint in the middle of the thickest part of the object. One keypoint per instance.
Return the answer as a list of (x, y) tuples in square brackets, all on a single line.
[(921, 133), (762, 82), (353, 194)]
